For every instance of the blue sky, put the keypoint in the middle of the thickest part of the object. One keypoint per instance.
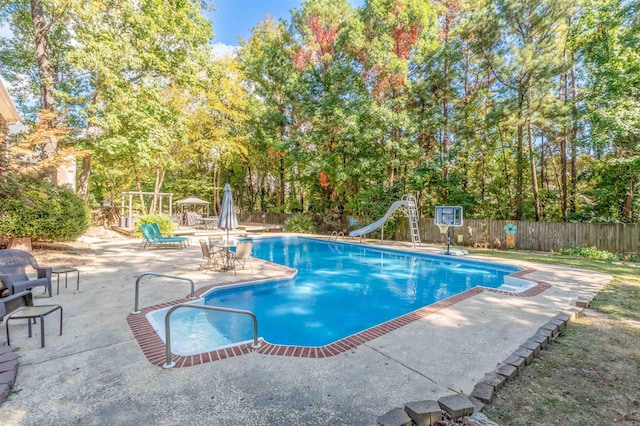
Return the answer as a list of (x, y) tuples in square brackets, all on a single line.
[(235, 18)]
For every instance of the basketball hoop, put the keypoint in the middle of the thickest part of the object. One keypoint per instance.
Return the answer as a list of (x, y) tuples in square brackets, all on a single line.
[(443, 228), (445, 217)]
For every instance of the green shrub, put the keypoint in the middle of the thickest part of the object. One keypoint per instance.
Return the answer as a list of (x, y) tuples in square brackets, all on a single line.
[(32, 207), (590, 253), (300, 223), (164, 222)]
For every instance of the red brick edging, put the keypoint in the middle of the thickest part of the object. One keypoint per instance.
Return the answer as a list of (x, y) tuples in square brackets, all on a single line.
[(154, 348), (8, 371)]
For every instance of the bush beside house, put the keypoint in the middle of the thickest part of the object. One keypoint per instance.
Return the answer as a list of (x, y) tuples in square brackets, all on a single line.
[(36, 209)]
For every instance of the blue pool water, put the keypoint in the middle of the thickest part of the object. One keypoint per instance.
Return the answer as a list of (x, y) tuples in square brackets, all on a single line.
[(340, 289)]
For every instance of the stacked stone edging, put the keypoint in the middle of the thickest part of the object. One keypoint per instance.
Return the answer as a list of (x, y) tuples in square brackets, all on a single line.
[(429, 413), (485, 389), (8, 371)]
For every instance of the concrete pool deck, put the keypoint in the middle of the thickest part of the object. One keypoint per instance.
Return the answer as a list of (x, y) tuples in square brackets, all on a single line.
[(96, 372)]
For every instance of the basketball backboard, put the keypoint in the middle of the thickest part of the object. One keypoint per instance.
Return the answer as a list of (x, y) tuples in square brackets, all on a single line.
[(448, 215)]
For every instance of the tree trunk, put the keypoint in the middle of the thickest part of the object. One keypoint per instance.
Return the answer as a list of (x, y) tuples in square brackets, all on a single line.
[(263, 194), (627, 212), (445, 140), (564, 206), (142, 203), (83, 184), (573, 204), (282, 182), (534, 174), (47, 75), (483, 181), (157, 186), (507, 177), (520, 159), (543, 165), (216, 190), (45, 66)]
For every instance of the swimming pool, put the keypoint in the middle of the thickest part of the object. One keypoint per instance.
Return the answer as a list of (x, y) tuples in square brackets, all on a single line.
[(340, 289)]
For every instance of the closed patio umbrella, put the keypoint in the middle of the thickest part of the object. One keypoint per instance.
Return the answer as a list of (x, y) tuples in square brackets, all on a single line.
[(228, 219)]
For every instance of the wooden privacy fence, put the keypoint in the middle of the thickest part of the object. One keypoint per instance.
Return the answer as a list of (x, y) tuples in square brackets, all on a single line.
[(541, 236)]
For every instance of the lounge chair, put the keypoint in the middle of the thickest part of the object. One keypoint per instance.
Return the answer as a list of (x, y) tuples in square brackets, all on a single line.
[(13, 264), (155, 231), (150, 238)]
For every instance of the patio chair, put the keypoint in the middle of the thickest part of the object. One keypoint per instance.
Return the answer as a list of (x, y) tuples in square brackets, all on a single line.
[(155, 231), (242, 255), (150, 238), (210, 260), (11, 303), (13, 264)]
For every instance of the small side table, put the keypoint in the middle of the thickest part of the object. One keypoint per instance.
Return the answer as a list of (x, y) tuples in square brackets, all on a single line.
[(65, 271), (33, 312)]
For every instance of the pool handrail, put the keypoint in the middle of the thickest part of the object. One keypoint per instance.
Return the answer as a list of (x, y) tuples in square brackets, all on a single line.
[(155, 274), (335, 235), (167, 329)]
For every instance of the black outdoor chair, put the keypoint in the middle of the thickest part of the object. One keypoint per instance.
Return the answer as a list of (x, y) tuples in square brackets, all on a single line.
[(13, 264)]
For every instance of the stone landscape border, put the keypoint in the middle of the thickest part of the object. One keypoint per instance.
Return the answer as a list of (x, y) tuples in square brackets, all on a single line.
[(457, 406), (155, 351)]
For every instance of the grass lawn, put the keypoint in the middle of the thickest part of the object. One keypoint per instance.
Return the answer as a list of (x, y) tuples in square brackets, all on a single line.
[(591, 374)]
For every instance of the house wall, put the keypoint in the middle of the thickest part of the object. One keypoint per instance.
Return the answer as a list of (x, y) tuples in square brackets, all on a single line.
[(66, 172)]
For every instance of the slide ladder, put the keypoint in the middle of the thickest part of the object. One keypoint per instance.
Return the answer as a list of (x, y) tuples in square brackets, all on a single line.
[(412, 214)]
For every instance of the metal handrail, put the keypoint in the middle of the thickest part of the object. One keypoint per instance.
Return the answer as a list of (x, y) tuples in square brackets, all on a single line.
[(154, 274), (167, 329), (335, 235)]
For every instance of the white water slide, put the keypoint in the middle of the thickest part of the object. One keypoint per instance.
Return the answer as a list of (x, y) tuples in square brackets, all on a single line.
[(378, 223)]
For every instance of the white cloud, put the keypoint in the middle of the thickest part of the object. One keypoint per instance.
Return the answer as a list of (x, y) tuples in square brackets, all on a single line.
[(220, 50)]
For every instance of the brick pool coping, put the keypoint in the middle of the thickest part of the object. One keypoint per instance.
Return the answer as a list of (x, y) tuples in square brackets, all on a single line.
[(155, 351)]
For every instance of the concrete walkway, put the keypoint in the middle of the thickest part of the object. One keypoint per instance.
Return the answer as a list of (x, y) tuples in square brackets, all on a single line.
[(96, 373)]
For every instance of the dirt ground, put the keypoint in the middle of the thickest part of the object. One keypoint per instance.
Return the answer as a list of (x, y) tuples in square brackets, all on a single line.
[(72, 253)]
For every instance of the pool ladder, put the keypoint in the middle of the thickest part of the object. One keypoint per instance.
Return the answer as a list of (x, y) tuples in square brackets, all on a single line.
[(169, 363), (167, 328), (136, 309), (335, 235)]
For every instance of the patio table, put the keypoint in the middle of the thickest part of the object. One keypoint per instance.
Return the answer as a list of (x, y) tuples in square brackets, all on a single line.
[(32, 312), (226, 246), (65, 270)]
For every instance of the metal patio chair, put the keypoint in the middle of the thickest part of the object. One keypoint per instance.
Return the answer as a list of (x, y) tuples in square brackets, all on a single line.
[(209, 260), (242, 255)]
